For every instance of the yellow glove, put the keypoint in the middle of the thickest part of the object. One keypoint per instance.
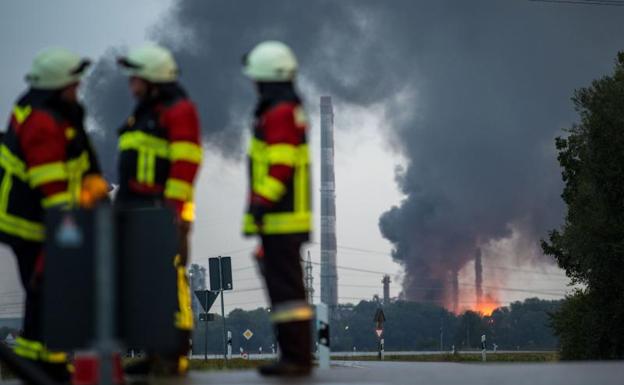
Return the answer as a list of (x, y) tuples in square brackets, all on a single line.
[(94, 189)]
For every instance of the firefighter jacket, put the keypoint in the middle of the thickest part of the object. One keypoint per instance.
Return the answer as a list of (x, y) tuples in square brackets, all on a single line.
[(160, 152), (279, 164), (44, 156)]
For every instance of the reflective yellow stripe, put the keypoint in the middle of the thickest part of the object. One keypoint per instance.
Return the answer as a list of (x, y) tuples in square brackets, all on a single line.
[(187, 151), (141, 160), (21, 113), (5, 191), (270, 188), (49, 172), (53, 357), (22, 228), (257, 149), (60, 199), (27, 348), (150, 167), (25, 353), (280, 223), (294, 313), (184, 315), (178, 189), (76, 168), (79, 164), (137, 140), (188, 212), (11, 163), (284, 154), (70, 133)]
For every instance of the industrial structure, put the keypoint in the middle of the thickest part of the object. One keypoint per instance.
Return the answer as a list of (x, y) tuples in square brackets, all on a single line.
[(386, 289), (308, 279), (329, 275), (479, 278)]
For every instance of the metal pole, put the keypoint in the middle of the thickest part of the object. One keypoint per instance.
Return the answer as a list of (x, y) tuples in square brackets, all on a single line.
[(222, 311), (441, 338), (105, 291), (206, 329)]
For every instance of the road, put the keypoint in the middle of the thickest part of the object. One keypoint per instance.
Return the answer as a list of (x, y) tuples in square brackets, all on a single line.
[(415, 373), (268, 356)]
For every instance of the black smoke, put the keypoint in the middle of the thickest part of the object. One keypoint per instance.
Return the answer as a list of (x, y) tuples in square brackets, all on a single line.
[(490, 83)]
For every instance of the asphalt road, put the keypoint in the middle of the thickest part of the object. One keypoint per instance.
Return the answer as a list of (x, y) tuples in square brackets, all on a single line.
[(425, 373), (415, 373)]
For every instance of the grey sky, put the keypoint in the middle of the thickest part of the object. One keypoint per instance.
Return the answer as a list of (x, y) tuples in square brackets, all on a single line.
[(407, 77)]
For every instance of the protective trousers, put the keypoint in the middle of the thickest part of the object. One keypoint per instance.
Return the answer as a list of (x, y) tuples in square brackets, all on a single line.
[(291, 314), (29, 345)]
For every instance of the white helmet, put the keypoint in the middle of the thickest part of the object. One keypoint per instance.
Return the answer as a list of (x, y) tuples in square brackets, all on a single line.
[(270, 61), (56, 68), (152, 63)]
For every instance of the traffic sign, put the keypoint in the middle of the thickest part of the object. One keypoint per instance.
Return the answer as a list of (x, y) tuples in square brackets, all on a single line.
[(379, 332), (248, 334), (206, 298), (220, 272)]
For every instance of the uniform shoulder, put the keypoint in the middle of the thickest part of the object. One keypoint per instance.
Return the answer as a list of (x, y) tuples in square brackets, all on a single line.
[(288, 111), (182, 106)]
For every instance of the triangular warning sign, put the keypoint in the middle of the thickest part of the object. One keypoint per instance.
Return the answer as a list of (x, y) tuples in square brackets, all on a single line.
[(206, 298)]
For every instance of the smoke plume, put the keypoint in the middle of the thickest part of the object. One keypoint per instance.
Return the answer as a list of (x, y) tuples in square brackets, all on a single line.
[(487, 83)]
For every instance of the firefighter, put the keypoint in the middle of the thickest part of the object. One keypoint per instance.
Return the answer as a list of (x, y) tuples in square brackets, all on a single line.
[(46, 161), (279, 200), (160, 154)]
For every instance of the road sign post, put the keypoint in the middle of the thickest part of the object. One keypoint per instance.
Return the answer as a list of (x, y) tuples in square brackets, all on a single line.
[(206, 299), (229, 344), (379, 320), (220, 271), (323, 336), (483, 348)]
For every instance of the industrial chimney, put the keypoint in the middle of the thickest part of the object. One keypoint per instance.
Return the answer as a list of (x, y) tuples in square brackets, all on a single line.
[(479, 277), (329, 276)]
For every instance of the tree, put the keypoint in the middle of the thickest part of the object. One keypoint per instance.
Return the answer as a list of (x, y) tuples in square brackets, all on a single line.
[(590, 244)]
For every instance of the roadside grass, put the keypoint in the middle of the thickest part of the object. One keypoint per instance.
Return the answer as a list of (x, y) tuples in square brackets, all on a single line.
[(463, 357)]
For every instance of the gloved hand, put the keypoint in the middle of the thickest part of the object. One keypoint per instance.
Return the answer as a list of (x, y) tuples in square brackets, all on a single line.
[(94, 189)]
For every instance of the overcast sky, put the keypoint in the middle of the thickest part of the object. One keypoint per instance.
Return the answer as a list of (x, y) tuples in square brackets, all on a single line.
[(389, 69)]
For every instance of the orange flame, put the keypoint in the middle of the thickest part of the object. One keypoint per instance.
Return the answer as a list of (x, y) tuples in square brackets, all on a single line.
[(487, 305)]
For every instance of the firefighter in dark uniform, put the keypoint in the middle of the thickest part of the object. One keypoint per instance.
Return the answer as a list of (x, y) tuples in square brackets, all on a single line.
[(279, 200), (46, 161), (160, 154)]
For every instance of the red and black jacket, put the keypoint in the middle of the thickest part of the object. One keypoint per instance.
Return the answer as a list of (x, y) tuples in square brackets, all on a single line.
[(44, 156), (279, 165), (160, 152)]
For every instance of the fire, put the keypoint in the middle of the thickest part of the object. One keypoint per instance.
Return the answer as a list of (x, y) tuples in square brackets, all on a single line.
[(487, 305)]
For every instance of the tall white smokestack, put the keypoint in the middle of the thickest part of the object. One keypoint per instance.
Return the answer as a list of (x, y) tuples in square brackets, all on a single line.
[(329, 276)]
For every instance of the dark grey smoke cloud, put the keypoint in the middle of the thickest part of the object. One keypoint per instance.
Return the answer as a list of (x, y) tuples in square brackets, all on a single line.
[(491, 79)]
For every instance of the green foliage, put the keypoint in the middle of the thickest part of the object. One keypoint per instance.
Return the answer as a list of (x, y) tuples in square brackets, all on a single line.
[(590, 244), (409, 326), (463, 357)]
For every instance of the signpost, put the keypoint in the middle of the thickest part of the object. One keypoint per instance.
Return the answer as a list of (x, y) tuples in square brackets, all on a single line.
[(483, 348), (322, 330), (379, 320), (206, 299), (220, 271)]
